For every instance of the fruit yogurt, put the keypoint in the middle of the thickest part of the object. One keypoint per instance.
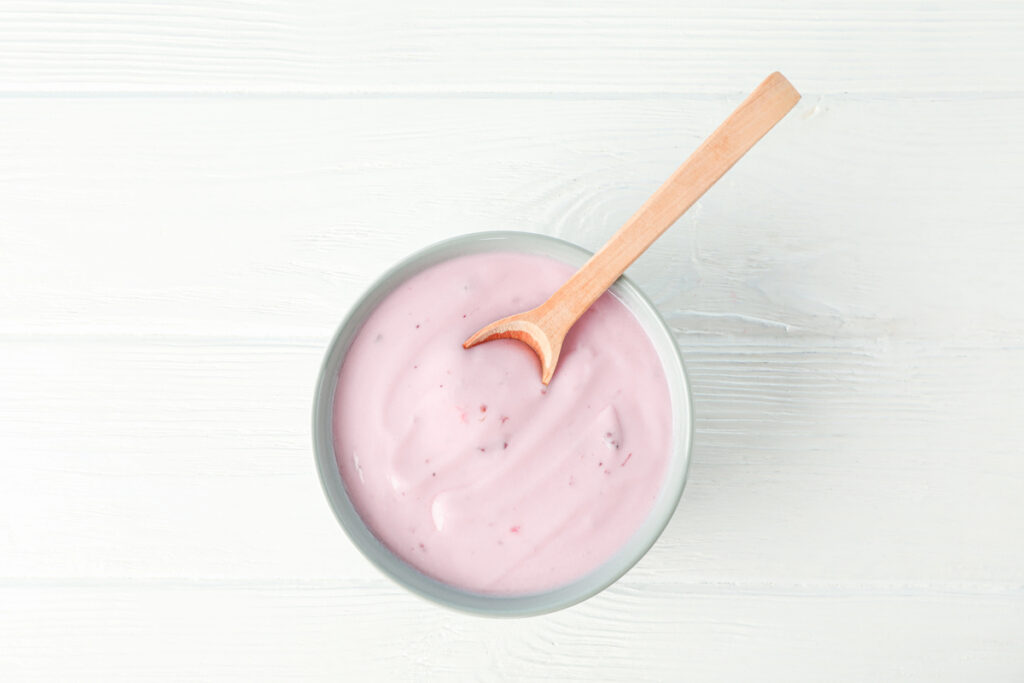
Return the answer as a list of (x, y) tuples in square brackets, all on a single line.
[(464, 464)]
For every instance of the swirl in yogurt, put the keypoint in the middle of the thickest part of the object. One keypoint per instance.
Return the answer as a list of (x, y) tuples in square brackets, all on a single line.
[(464, 464)]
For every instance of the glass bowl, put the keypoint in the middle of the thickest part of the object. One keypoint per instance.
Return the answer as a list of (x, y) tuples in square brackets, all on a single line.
[(482, 603)]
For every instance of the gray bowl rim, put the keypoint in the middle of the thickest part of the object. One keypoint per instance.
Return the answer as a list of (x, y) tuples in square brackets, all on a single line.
[(406, 575)]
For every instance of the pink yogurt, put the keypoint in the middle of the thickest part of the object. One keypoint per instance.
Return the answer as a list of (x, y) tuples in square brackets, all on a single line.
[(464, 464)]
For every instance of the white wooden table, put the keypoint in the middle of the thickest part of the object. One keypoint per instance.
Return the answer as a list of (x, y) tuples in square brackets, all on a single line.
[(192, 194)]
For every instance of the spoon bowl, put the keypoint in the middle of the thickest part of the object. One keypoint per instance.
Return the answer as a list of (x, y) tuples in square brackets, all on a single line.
[(530, 328)]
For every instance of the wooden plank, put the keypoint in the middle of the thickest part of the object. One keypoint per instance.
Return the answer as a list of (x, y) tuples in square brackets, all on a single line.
[(259, 217), (652, 47), (270, 631), (812, 462)]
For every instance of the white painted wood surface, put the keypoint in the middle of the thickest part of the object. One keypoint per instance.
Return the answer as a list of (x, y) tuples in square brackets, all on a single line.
[(191, 194)]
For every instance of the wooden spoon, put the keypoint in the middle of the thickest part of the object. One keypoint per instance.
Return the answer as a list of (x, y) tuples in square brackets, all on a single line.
[(544, 328)]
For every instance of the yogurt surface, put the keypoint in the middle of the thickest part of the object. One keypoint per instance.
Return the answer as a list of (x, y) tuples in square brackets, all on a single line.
[(464, 464)]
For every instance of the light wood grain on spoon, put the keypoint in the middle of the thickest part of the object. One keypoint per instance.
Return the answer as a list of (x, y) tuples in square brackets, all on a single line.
[(544, 328)]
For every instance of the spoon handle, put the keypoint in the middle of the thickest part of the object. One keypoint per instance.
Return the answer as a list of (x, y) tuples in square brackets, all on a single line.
[(762, 109)]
